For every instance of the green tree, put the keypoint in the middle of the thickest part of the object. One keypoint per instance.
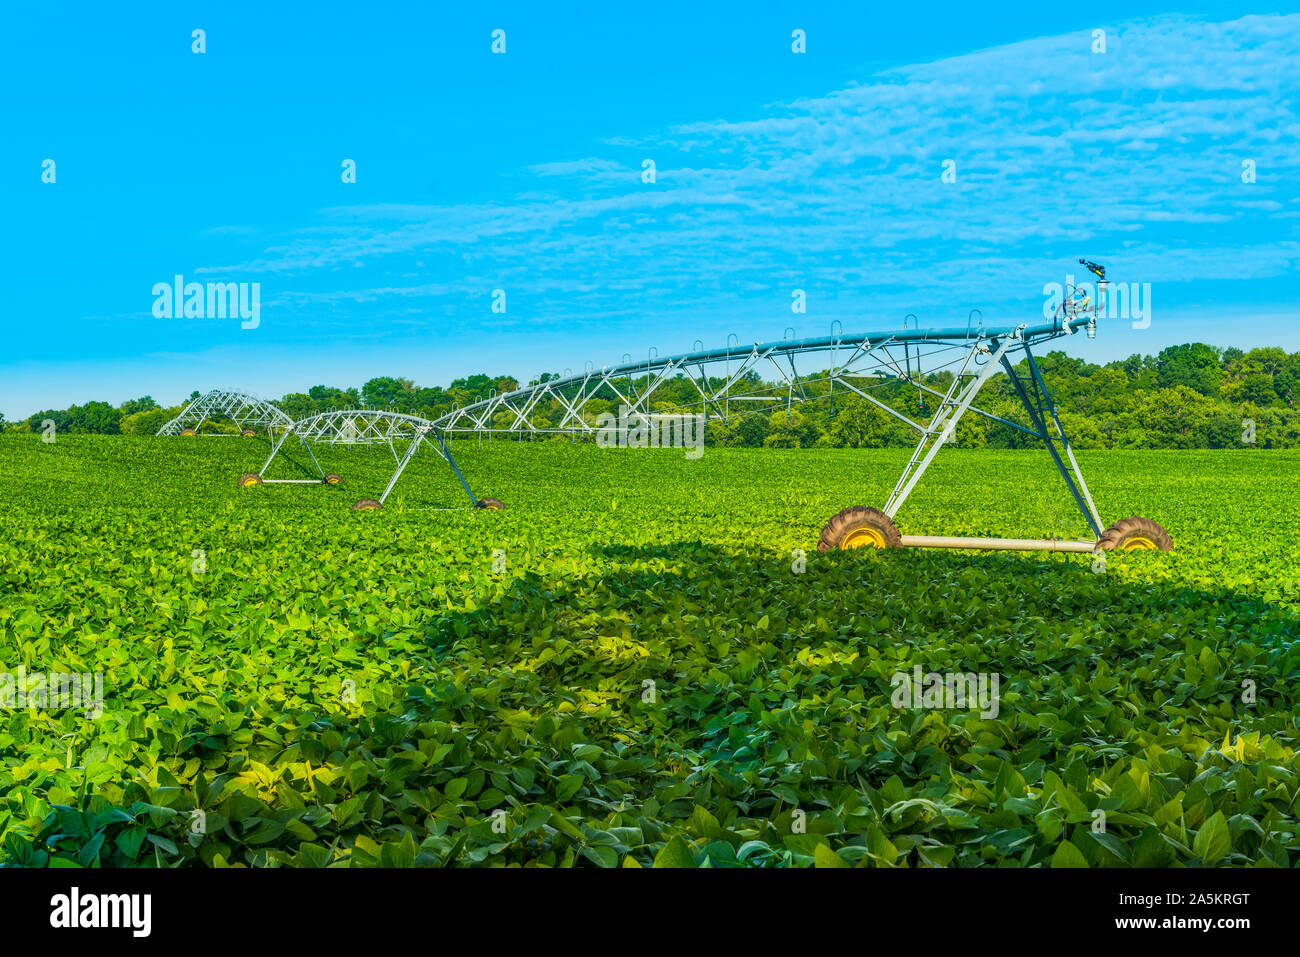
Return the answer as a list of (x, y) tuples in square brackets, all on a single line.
[(860, 424), (1177, 418), (62, 419), (97, 418), (144, 422), (297, 405), (1224, 431), (1083, 431), (1139, 370), (387, 392), (1257, 387), (749, 430), (482, 386), (1195, 365), (790, 430), (326, 398), (1286, 382), (142, 404)]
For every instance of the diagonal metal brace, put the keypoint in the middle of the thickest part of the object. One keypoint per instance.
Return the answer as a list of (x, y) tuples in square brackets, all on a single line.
[(945, 422), (1081, 497)]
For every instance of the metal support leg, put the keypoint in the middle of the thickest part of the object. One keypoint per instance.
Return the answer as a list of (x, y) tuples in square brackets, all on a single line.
[(446, 454), (442, 450), (940, 416), (275, 448), (1097, 523), (1079, 490), (945, 421), (401, 465), (306, 446)]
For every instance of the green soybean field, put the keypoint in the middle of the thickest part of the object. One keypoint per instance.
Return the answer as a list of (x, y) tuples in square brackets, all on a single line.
[(643, 660)]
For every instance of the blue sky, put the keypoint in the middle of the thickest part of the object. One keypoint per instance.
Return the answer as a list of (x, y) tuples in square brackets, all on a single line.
[(522, 171)]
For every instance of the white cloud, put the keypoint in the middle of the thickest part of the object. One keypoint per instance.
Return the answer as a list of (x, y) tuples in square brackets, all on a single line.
[(1134, 154)]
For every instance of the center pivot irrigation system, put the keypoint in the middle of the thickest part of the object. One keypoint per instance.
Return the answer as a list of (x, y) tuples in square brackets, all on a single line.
[(869, 365), (403, 434), (248, 412)]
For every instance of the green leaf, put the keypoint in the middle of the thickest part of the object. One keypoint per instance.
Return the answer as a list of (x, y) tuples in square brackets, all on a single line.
[(1067, 855), (398, 854), (825, 857), (266, 831), (365, 852), (879, 847), (90, 850), (1213, 841), (569, 785), (675, 853), (565, 826), (129, 841), (602, 856), (312, 855)]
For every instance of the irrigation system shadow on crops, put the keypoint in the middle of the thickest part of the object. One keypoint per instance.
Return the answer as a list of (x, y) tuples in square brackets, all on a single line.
[(760, 672), (772, 686), (1048, 626)]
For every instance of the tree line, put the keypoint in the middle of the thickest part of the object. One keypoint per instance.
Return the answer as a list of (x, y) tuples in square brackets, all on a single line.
[(1188, 396)]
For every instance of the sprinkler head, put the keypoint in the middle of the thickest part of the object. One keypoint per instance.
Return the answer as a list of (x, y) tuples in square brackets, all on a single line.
[(1092, 328)]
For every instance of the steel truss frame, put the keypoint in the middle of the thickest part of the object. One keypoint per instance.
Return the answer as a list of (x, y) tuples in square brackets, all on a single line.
[(858, 364), (246, 411), (403, 434), (727, 388)]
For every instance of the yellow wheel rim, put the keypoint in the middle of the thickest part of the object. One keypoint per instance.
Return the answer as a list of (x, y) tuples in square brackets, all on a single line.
[(1137, 544), (249, 482), (863, 537), (332, 481)]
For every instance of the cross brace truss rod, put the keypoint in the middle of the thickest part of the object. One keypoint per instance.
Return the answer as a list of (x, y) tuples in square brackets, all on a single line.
[(246, 411), (402, 434)]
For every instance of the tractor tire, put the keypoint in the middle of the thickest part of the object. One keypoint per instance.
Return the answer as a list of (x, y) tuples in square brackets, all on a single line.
[(857, 527), (366, 505), (1135, 534), (249, 479), (495, 503), (332, 479)]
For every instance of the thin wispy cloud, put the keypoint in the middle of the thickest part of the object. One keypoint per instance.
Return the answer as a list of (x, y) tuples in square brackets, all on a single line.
[(1135, 153)]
